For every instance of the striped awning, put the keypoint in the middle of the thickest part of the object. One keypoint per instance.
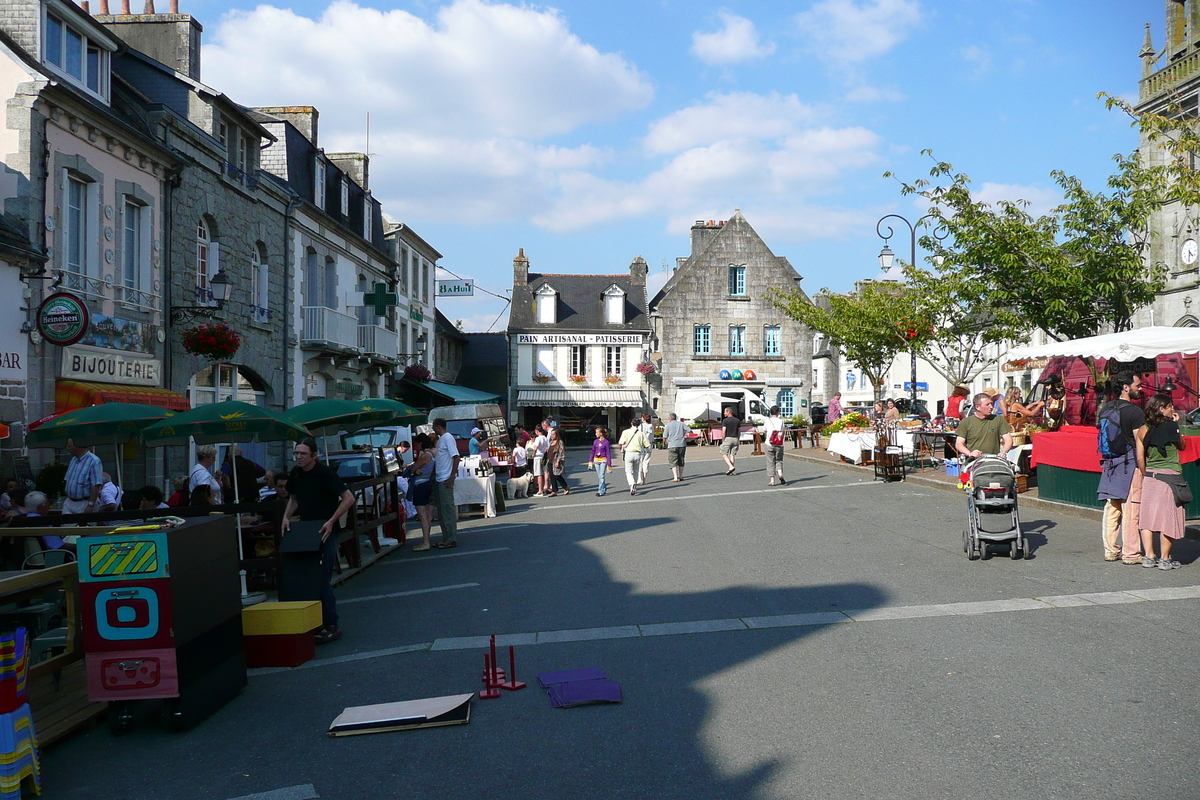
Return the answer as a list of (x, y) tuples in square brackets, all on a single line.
[(80, 394), (587, 398)]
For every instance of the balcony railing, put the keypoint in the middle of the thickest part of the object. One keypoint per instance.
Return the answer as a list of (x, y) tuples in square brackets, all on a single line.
[(1170, 77), (325, 326), (376, 341)]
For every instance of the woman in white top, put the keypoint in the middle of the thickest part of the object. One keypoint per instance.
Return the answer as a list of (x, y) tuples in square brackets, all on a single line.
[(541, 469), (634, 447), (774, 433), (206, 456), (647, 429)]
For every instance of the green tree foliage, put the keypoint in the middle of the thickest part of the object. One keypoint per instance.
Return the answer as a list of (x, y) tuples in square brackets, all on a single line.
[(870, 326), (1174, 131), (1072, 273)]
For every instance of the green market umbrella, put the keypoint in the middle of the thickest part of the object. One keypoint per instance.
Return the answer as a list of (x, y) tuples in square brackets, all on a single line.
[(401, 414), (107, 423), (323, 417), (223, 423), (226, 422)]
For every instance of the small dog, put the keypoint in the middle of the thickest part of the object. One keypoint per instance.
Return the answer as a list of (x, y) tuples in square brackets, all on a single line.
[(519, 487)]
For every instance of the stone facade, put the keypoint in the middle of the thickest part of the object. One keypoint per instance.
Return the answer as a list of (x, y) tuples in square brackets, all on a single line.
[(1175, 229), (724, 287), (416, 270)]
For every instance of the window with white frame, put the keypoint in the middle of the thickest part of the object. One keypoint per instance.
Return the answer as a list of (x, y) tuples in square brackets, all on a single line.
[(207, 262), (245, 161), (367, 216), (614, 306), (545, 360), (76, 219), (786, 400), (314, 294), (424, 281), (737, 279), (319, 184), (737, 340), (260, 276), (546, 300), (403, 270), (578, 359), (612, 360), (74, 55), (771, 346), (133, 220), (331, 297), (345, 207), (701, 340)]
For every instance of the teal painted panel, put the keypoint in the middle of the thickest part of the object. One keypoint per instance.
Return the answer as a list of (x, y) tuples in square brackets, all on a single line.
[(1079, 488)]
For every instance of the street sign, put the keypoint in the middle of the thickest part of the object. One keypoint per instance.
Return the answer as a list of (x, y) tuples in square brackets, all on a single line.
[(460, 288), (922, 386)]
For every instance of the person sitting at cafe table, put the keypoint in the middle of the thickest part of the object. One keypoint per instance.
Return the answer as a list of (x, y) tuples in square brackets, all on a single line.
[(36, 505), (981, 433), (110, 494), (151, 497)]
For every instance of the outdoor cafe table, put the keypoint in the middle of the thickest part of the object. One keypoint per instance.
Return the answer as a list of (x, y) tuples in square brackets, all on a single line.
[(1068, 466), (477, 491)]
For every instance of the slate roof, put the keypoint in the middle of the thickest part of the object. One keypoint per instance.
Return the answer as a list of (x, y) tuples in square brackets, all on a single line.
[(580, 304), (486, 350), (446, 328), (13, 240)]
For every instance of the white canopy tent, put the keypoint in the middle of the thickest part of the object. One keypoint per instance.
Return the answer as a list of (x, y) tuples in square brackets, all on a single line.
[(1123, 346)]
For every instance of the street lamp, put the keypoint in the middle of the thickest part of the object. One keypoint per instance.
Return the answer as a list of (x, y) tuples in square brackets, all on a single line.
[(886, 259), (421, 344), (220, 287)]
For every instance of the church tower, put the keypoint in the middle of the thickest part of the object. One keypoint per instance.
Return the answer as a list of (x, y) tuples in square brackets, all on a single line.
[(1171, 77)]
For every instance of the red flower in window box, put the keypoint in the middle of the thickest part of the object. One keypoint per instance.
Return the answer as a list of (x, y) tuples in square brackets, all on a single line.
[(418, 372), (217, 342)]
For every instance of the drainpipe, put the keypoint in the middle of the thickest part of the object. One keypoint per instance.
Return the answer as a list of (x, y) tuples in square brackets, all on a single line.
[(287, 274)]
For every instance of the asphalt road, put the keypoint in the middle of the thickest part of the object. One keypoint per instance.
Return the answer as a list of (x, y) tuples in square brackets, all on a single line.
[(827, 639)]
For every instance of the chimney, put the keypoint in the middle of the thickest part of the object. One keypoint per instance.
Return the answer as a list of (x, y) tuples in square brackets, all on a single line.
[(520, 269), (356, 165), (173, 39), (637, 271), (679, 262), (703, 233), (304, 118)]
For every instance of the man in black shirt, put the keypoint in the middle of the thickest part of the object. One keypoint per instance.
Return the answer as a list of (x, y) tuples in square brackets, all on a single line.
[(319, 494), (729, 444)]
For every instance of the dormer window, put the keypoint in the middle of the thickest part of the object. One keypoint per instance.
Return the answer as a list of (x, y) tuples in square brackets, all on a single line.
[(546, 299), (319, 184), (345, 197), (71, 53), (614, 305)]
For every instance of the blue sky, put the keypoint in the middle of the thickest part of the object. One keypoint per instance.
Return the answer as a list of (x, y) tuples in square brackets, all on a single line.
[(590, 133)]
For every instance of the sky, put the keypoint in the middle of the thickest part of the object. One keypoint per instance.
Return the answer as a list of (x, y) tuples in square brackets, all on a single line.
[(590, 133)]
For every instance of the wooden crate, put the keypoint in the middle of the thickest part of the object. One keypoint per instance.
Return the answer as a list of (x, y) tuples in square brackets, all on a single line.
[(1022, 484), (61, 708)]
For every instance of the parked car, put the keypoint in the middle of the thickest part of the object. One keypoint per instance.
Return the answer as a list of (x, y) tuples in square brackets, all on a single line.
[(905, 406)]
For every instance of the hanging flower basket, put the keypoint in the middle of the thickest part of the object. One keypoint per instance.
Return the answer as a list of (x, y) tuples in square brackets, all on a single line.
[(579, 379), (217, 342), (418, 372), (612, 380), (541, 377), (646, 367)]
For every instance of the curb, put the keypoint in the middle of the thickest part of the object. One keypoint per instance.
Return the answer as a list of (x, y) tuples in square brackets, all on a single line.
[(1025, 502)]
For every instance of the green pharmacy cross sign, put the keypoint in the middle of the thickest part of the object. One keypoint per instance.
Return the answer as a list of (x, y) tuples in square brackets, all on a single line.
[(381, 298)]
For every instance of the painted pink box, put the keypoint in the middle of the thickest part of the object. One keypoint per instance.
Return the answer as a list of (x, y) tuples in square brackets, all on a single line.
[(132, 675)]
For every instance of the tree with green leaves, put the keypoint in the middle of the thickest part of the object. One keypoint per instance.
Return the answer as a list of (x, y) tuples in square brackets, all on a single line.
[(1174, 132), (1073, 272), (871, 326)]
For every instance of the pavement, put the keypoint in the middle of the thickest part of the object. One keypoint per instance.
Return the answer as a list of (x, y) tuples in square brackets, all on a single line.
[(827, 638)]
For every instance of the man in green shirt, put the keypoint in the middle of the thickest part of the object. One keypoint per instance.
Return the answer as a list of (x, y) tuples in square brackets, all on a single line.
[(981, 433)]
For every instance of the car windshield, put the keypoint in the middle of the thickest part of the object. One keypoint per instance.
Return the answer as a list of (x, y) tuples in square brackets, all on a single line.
[(376, 438), (351, 467)]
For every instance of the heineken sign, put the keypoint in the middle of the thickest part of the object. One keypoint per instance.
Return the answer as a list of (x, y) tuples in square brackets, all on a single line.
[(62, 319)]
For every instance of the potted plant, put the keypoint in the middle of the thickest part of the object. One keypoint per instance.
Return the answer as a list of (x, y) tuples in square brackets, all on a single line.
[(418, 372), (579, 379), (213, 341), (646, 368), (612, 380), (540, 377)]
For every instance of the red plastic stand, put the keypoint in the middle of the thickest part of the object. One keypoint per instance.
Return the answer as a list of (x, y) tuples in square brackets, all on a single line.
[(512, 684), (489, 692)]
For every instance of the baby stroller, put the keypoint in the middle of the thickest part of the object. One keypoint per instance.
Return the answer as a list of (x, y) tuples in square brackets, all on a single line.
[(992, 508)]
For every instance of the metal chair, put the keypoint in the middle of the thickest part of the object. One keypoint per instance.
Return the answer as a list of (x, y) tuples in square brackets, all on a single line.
[(50, 558)]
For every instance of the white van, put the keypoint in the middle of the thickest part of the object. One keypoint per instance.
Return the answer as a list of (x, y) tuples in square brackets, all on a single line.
[(711, 402), (461, 419)]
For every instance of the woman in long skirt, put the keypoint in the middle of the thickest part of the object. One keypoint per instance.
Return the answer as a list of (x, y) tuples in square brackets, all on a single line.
[(1158, 443)]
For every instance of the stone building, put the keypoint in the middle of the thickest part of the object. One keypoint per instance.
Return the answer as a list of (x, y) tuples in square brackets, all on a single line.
[(450, 345), (18, 257), (416, 261), (715, 325), (575, 342), (342, 332), (83, 182), (1172, 75), (222, 220)]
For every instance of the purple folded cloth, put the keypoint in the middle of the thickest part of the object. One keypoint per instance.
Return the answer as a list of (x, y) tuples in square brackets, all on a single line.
[(577, 687)]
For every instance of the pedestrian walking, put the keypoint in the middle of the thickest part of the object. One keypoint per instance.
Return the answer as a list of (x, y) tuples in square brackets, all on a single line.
[(729, 443), (601, 460), (316, 491), (774, 434), (1121, 478), (835, 408), (633, 447), (675, 434), (445, 470), (421, 476), (541, 472), (1161, 512), (557, 456), (647, 429), (85, 476)]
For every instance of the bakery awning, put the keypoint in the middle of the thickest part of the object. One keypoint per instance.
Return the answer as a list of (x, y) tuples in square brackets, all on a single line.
[(80, 394), (586, 398)]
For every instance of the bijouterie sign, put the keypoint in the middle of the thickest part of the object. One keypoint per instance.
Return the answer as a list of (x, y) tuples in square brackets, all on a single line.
[(110, 366)]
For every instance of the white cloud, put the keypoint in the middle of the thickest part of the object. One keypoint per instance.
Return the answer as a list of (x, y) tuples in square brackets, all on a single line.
[(736, 115), (872, 94), (847, 32), (736, 41), (979, 58), (1041, 199)]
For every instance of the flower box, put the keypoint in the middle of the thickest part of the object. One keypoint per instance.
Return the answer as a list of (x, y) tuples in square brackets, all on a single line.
[(612, 380), (541, 377), (579, 379)]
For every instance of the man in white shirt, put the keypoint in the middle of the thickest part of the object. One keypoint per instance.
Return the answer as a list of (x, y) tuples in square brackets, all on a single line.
[(110, 494), (445, 470)]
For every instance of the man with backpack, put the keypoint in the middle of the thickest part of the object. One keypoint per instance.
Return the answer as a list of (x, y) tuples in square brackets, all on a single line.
[(1120, 482)]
